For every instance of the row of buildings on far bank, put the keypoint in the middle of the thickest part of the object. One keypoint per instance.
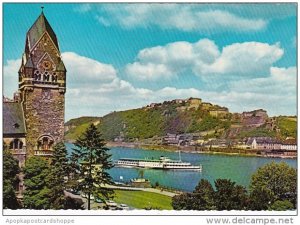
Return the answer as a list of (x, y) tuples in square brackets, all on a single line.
[(263, 145)]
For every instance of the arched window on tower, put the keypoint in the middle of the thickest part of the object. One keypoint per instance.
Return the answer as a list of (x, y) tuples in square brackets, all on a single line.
[(54, 78), (37, 75), (16, 144), (46, 76), (45, 142)]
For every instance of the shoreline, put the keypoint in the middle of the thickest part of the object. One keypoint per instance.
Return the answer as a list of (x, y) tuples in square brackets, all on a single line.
[(195, 150)]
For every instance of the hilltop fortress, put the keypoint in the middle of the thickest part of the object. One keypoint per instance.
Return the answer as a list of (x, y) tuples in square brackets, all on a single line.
[(195, 103)]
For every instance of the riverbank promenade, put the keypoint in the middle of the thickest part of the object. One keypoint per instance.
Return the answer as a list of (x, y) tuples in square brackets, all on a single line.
[(153, 190)]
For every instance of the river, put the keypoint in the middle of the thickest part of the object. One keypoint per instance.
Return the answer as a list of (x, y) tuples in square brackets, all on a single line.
[(236, 168)]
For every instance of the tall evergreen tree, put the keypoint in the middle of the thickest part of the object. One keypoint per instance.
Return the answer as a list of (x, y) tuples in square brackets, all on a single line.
[(10, 179), (37, 192), (58, 171), (90, 161)]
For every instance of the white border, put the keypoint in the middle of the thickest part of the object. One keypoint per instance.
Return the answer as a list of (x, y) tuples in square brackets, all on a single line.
[(136, 216)]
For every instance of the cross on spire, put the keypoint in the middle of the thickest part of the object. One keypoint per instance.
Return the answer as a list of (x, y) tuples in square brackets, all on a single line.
[(42, 7)]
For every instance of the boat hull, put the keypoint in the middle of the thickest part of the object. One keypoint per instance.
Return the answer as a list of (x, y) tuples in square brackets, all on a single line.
[(158, 165)]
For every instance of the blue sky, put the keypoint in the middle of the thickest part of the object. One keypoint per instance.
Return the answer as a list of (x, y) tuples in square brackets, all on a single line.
[(122, 56)]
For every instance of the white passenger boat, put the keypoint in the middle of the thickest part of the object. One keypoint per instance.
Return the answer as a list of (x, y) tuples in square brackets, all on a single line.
[(163, 163)]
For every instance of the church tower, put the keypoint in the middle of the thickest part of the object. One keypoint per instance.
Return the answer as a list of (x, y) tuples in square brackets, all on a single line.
[(42, 87)]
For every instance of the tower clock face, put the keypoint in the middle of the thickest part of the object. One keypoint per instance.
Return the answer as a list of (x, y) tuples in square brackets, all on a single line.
[(47, 65)]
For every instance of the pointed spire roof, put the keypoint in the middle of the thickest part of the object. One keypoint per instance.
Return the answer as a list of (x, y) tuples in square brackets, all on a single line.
[(36, 31), (29, 63), (61, 66)]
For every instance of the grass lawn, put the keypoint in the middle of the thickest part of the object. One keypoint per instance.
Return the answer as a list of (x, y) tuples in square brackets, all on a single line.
[(143, 199)]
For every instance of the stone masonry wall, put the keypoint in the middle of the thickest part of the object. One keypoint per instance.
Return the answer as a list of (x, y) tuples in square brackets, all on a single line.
[(44, 115)]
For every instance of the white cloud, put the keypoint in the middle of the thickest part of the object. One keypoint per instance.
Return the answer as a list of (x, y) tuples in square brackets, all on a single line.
[(274, 103), (94, 89), (281, 81), (204, 58), (83, 8), (243, 58), (285, 75), (103, 21), (226, 20), (86, 71), (148, 71), (10, 74), (182, 17), (276, 92)]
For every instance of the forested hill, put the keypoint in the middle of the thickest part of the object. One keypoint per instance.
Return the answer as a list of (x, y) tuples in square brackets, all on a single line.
[(183, 116)]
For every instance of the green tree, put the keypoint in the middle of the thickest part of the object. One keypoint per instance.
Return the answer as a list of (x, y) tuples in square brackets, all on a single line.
[(9, 196), (200, 199), (260, 199), (183, 201), (59, 169), (229, 196), (277, 179), (204, 195), (10, 180), (37, 192), (73, 203), (90, 161)]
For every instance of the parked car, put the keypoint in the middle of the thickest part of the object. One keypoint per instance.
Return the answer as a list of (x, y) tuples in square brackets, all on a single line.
[(123, 207), (111, 203), (84, 195), (75, 192), (98, 200)]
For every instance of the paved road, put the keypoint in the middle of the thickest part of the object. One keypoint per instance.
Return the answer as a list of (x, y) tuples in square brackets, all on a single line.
[(94, 205), (167, 193)]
